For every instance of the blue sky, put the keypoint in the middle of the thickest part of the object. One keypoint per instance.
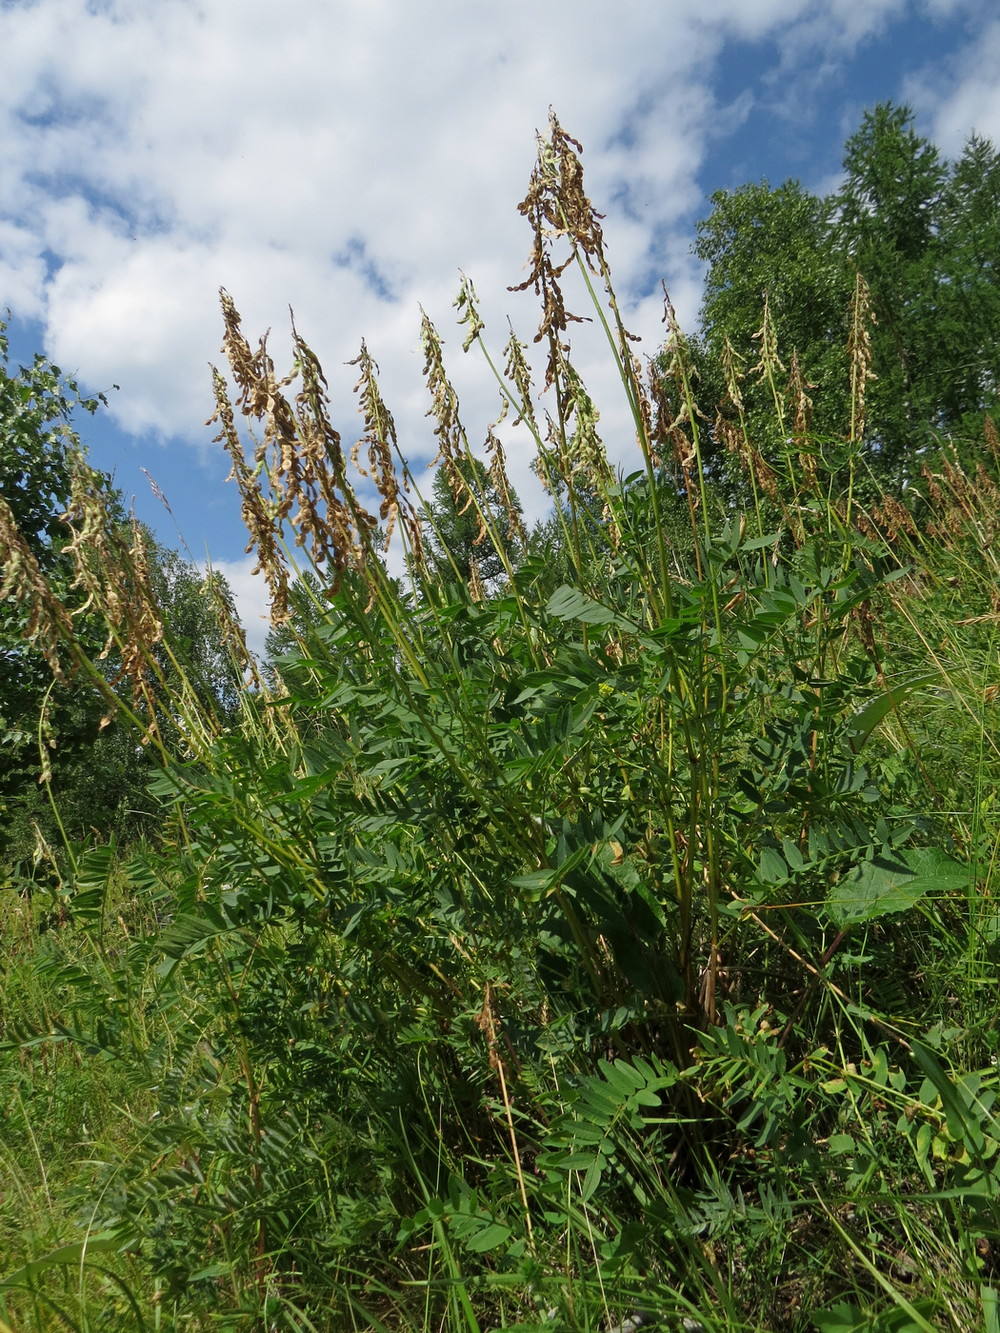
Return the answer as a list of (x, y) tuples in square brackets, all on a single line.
[(349, 157)]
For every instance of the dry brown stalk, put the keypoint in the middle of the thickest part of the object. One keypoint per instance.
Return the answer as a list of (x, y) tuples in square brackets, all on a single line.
[(299, 459), (501, 483), (490, 1024), (48, 623), (256, 513), (859, 348), (769, 362)]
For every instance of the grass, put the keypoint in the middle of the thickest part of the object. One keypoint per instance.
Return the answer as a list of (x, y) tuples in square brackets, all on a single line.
[(611, 934)]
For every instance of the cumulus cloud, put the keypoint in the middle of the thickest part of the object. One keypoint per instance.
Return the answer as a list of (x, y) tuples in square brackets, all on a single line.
[(960, 95), (345, 159), (250, 594), (349, 159)]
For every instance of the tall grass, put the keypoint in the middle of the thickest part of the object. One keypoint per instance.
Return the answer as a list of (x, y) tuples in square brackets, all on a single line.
[(611, 942)]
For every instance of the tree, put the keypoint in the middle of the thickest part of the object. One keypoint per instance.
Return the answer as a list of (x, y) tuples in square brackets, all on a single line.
[(460, 543), (37, 440), (924, 234), (889, 215), (96, 770), (969, 287), (772, 246)]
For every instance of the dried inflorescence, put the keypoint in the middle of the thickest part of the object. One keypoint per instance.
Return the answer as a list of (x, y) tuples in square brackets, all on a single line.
[(859, 348), (557, 207), (497, 472), (380, 444), (586, 461), (733, 368), (802, 404), (454, 453), (47, 624), (889, 520), (961, 502), (299, 460), (518, 372), (992, 438), (738, 443), (258, 518), (467, 305), (112, 567), (233, 635), (444, 408), (677, 414), (766, 337)]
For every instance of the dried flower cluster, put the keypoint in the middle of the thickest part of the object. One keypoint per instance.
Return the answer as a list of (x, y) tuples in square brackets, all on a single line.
[(299, 460), (47, 622)]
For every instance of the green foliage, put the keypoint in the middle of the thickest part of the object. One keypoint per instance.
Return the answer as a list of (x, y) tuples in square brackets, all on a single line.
[(922, 233), (60, 743), (773, 246), (36, 407), (37, 445), (463, 540), (603, 937)]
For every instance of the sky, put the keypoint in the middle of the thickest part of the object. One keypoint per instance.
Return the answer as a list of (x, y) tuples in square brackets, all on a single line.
[(349, 159)]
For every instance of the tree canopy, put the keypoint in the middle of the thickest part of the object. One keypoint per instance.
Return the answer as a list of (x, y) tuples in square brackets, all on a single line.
[(457, 534), (94, 768), (37, 442), (923, 232)]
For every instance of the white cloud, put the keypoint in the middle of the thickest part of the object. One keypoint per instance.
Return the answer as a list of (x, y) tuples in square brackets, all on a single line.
[(962, 95), (22, 270), (251, 597), (347, 159)]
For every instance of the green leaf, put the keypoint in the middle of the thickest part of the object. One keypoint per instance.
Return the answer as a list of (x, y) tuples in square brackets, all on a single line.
[(188, 933), (862, 723), (102, 1242), (568, 603), (757, 543), (571, 1161), (841, 1318), (840, 1143), (893, 882), (592, 1179), (489, 1238), (772, 867), (793, 856)]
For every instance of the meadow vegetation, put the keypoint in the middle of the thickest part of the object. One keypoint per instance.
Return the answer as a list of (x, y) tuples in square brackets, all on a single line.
[(574, 928)]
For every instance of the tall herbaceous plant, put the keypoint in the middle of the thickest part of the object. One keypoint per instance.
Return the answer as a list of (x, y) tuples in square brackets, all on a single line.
[(508, 958)]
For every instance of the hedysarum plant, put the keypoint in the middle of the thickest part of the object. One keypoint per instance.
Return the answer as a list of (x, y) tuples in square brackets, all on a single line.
[(510, 917)]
